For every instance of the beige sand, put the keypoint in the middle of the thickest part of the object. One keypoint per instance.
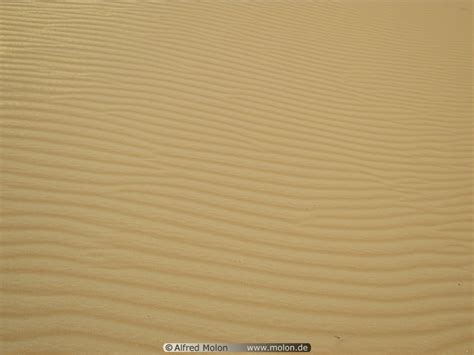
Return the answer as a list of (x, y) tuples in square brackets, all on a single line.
[(236, 171)]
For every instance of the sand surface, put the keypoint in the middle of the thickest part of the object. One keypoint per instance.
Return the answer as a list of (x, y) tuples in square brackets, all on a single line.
[(236, 171)]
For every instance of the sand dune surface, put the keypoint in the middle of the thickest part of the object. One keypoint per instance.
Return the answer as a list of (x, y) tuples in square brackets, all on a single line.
[(236, 171)]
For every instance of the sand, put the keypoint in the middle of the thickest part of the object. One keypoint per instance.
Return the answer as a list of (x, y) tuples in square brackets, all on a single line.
[(236, 171)]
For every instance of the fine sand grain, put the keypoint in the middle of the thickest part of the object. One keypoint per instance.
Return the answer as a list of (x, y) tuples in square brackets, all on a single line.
[(236, 171)]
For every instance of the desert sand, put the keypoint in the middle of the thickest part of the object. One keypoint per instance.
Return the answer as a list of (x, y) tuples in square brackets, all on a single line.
[(236, 171)]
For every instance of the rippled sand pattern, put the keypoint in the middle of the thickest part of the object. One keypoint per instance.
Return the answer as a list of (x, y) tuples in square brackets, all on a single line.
[(236, 171)]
